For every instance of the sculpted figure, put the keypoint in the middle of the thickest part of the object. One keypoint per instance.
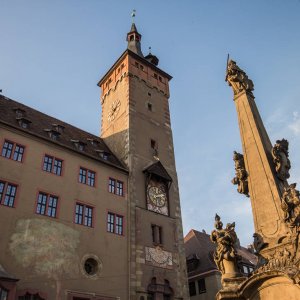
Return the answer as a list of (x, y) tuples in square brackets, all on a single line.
[(280, 153), (241, 175), (238, 79), (290, 204), (225, 255)]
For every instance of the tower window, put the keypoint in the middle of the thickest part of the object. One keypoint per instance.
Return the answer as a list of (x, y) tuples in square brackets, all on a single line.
[(156, 234), (142, 67), (153, 144), (149, 94), (192, 288), (131, 37), (201, 286), (160, 79), (149, 105), (136, 64), (155, 75)]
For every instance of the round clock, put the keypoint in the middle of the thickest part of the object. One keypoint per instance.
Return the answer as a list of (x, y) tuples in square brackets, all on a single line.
[(114, 109), (157, 196)]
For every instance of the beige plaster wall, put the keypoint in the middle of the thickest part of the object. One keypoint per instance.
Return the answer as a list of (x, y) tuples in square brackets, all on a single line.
[(45, 253)]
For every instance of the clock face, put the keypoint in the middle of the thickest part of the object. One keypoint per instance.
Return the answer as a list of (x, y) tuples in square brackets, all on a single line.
[(113, 110), (157, 199), (157, 196)]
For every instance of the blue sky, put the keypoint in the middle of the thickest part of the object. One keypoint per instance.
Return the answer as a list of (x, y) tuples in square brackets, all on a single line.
[(52, 54)]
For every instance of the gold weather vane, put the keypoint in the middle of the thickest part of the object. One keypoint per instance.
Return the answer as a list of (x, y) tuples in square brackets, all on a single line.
[(133, 15), (227, 67)]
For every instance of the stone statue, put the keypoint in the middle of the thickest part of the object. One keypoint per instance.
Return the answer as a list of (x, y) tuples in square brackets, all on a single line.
[(281, 160), (290, 204), (241, 175), (225, 255), (238, 79)]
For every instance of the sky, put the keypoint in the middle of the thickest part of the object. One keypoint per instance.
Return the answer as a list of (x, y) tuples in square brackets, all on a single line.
[(52, 54)]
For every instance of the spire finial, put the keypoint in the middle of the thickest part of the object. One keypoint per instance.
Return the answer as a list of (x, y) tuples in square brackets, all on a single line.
[(149, 49), (133, 15)]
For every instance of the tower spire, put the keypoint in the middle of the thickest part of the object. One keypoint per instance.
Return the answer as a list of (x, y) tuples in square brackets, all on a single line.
[(134, 38)]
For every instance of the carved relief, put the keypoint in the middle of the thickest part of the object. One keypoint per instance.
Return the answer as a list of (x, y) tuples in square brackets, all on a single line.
[(241, 175), (281, 160), (225, 255), (238, 79)]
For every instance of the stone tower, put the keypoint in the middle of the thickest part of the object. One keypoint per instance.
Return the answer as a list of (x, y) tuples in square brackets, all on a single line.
[(261, 173), (136, 126)]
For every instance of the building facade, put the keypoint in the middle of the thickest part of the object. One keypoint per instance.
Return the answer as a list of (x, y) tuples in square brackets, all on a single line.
[(90, 217), (203, 275)]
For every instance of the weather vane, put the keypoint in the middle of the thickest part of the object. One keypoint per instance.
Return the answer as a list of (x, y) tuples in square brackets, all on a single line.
[(149, 49), (133, 15)]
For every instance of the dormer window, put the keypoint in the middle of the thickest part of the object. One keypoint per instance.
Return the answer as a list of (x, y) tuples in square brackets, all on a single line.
[(59, 128), (53, 134), (79, 144), (19, 112), (23, 122), (103, 154), (93, 141)]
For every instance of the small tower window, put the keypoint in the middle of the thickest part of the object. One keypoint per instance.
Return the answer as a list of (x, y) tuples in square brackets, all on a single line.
[(136, 64), (155, 75), (149, 94), (149, 105), (131, 37), (142, 67), (160, 79), (153, 144)]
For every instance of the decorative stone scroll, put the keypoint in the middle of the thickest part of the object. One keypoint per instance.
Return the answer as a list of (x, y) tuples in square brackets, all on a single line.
[(280, 153), (241, 175), (225, 255), (238, 79)]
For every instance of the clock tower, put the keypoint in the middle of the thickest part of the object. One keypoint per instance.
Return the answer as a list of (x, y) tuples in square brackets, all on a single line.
[(136, 126)]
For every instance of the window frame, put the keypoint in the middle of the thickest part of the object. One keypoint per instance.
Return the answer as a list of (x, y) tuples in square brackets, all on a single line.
[(48, 195), (114, 225), (113, 188), (87, 177), (3, 193), (202, 284), (13, 150), (194, 291), (54, 159), (83, 215)]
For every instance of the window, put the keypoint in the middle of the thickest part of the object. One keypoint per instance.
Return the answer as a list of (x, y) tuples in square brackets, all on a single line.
[(52, 165), (3, 294), (149, 105), (84, 215), (201, 286), (116, 186), (155, 75), (87, 176), (156, 234), (192, 288), (8, 193), (115, 223), (136, 64), (47, 205), (13, 151)]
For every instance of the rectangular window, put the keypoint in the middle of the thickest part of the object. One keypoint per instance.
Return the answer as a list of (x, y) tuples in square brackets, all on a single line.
[(201, 286), (119, 190), (8, 193), (115, 223), (192, 288), (13, 151), (47, 205), (116, 186), (84, 215), (87, 176), (156, 234), (52, 165)]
